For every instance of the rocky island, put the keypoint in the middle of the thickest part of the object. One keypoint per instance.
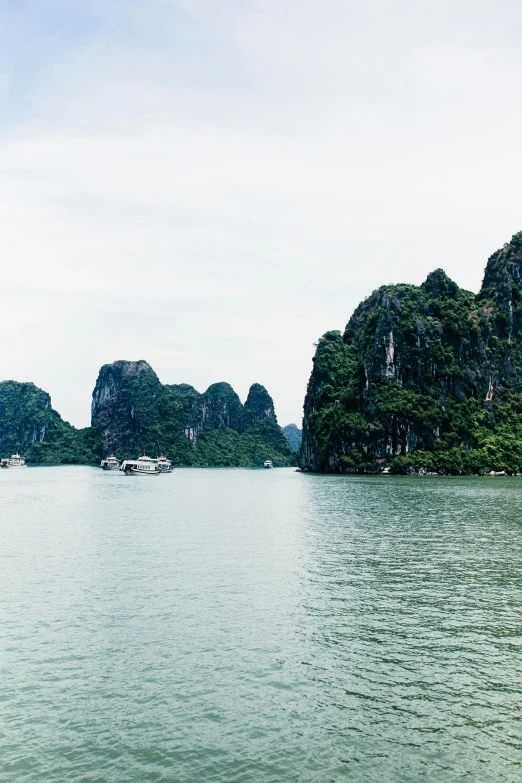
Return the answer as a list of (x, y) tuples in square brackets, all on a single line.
[(424, 378), (132, 412), (293, 435)]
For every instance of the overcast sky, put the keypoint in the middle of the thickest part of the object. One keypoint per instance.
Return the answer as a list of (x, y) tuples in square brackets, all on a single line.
[(211, 185)]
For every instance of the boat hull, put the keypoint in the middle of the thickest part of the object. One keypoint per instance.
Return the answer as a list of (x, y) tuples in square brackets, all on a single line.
[(138, 472), (144, 466)]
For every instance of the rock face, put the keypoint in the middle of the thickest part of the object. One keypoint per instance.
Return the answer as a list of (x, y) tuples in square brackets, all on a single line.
[(25, 414), (424, 377), (220, 408), (122, 400), (259, 406), (293, 435), (30, 426), (132, 411)]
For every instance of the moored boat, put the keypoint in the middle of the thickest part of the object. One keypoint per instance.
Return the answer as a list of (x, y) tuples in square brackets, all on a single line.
[(110, 463), (144, 466), (15, 461), (268, 464), (164, 464)]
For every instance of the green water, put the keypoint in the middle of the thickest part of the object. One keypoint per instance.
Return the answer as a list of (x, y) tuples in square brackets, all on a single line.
[(243, 625)]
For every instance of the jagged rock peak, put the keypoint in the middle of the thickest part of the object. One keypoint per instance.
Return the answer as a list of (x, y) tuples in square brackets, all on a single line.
[(259, 406), (438, 283), (133, 412), (221, 407), (503, 270), (112, 378), (121, 402)]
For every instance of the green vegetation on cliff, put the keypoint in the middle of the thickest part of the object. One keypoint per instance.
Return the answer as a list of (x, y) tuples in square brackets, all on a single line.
[(250, 448), (424, 377), (133, 412), (29, 425), (259, 406), (293, 435)]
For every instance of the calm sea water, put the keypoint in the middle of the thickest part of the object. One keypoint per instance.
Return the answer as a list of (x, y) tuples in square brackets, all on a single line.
[(250, 625)]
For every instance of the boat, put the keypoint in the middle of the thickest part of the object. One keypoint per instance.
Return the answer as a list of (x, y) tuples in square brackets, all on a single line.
[(268, 464), (15, 461), (110, 463), (164, 464), (144, 466)]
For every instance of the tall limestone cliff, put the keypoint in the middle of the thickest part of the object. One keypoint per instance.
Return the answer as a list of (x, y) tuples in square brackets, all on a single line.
[(259, 406), (424, 377), (123, 403), (29, 425), (220, 408), (132, 411)]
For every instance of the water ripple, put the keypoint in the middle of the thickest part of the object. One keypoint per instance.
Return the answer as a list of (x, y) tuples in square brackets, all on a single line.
[(270, 626)]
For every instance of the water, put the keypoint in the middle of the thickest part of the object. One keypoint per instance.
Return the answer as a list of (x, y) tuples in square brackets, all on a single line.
[(241, 625)]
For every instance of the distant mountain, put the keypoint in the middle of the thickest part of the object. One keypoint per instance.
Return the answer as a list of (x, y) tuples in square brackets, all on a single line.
[(133, 412), (293, 435), (423, 378)]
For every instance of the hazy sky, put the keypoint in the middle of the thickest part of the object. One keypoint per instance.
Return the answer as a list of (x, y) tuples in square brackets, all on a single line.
[(212, 185)]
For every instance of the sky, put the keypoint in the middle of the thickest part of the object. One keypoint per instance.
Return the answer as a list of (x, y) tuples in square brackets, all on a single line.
[(211, 186)]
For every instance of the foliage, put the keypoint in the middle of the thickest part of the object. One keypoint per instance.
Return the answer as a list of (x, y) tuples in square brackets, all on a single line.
[(29, 425), (134, 413), (261, 441), (258, 406), (221, 407), (293, 435), (424, 378)]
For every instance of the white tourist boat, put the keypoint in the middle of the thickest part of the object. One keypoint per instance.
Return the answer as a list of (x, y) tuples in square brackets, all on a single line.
[(110, 463), (268, 464), (164, 464), (144, 466), (15, 461)]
